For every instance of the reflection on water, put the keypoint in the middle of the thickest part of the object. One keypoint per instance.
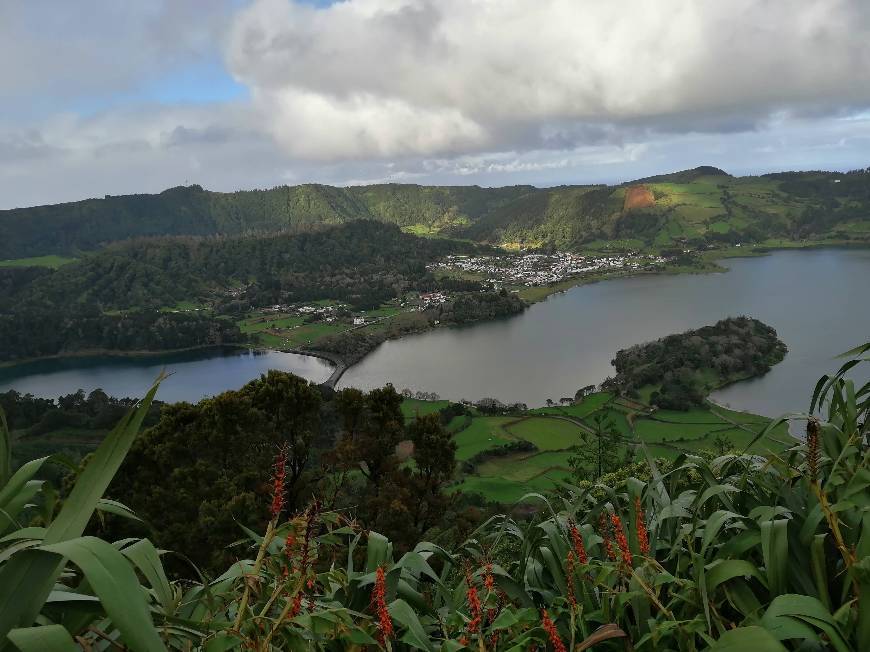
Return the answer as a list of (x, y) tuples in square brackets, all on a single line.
[(195, 374)]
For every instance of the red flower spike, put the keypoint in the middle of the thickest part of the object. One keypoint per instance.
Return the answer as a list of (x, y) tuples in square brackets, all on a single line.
[(569, 572), (621, 541), (379, 606), (489, 580), (279, 476), (552, 632), (642, 535), (297, 605), (577, 542), (604, 528), (474, 610)]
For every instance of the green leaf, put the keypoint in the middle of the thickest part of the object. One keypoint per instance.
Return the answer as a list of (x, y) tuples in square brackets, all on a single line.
[(146, 558), (746, 639), (415, 635), (788, 616), (28, 578), (19, 481), (11, 511), (728, 569), (5, 450), (48, 638), (116, 508), (774, 548), (379, 551), (113, 580)]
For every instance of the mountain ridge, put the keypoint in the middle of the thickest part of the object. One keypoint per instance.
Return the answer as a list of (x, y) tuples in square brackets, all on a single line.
[(696, 206)]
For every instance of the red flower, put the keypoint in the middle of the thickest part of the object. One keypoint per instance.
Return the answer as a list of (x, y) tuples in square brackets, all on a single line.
[(489, 580), (604, 527), (474, 610), (569, 572), (379, 606), (278, 477), (297, 605), (577, 542), (552, 632), (621, 541), (640, 525)]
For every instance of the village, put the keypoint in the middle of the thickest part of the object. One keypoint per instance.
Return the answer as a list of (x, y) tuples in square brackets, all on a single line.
[(535, 269)]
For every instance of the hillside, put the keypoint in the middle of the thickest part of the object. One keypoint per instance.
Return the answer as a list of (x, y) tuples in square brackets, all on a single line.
[(696, 207)]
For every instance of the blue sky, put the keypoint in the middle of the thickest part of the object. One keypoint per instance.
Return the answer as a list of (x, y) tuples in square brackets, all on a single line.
[(105, 97)]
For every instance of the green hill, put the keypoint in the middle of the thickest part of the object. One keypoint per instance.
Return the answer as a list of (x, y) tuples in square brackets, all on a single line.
[(694, 207)]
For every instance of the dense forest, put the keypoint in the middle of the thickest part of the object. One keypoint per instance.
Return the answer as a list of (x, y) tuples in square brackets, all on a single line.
[(191, 479), (700, 206), (121, 298), (682, 369), (362, 262)]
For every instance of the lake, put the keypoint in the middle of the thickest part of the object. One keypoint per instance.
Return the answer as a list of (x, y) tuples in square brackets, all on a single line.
[(816, 299), (195, 374)]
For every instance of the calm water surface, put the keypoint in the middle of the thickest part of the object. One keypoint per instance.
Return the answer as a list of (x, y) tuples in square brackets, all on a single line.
[(194, 374), (817, 300)]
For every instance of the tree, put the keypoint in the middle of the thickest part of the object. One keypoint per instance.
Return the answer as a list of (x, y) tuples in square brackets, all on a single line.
[(599, 452), (435, 462), (203, 470), (399, 500)]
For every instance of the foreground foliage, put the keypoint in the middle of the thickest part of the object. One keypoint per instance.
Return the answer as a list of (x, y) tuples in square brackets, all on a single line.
[(761, 554)]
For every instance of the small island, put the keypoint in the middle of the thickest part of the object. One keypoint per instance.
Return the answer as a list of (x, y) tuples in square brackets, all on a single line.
[(677, 372)]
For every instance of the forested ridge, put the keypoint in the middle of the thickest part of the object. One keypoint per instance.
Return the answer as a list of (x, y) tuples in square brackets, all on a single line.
[(120, 298), (699, 206), (341, 262)]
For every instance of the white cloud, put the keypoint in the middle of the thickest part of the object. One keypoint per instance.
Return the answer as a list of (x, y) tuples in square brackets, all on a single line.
[(389, 77), (491, 92)]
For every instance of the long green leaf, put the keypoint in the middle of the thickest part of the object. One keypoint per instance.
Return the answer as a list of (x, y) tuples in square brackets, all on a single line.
[(48, 638), (5, 450), (28, 578), (746, 639), (774, 547), (146, 558), (113, 580), (415, 635)]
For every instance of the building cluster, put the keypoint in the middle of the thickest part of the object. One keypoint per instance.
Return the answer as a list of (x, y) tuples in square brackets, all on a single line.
[(429, 299), (542, 269)]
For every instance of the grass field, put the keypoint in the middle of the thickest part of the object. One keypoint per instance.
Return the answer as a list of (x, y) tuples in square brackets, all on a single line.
[(548, 434), (666, 434), (39, 261), (412, 407), (483, 433)]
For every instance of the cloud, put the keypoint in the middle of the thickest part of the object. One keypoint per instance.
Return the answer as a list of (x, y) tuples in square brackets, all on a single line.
[(80, 54), (381, 78)]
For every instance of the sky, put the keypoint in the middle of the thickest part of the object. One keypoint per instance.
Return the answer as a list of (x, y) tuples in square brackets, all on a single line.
[(104, 97)]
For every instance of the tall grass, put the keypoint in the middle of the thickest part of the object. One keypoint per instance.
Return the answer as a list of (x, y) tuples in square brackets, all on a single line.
[(744, 552)]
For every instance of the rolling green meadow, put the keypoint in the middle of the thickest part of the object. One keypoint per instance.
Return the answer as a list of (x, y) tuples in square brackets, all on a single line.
[(555, 431)]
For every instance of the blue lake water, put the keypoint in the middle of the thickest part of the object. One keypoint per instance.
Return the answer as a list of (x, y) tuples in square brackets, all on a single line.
[(194, 374)]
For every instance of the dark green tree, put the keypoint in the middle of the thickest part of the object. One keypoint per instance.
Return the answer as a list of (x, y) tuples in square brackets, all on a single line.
[(204, 469)]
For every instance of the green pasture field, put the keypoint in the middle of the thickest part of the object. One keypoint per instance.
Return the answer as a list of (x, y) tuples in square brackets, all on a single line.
[(547, 433), (413, 407), (483, 433)]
